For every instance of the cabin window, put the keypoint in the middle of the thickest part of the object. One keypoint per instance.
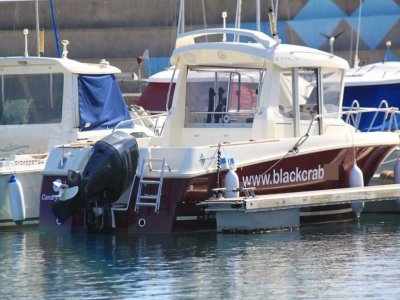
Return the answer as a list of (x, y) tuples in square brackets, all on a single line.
[(31, 99), (332, 85), (217, 97)]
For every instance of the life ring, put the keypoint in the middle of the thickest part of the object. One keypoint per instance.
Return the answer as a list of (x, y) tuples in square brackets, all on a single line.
[(226, 118)]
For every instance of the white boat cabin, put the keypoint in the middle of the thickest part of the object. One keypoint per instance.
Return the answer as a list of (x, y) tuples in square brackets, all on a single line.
[(49, 101), (250, 91)]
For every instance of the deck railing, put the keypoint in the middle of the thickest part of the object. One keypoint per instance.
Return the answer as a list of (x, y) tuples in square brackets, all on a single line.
[(354, 113)]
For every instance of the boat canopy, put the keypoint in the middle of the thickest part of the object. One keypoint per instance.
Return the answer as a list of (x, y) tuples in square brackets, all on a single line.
[(101, 104)]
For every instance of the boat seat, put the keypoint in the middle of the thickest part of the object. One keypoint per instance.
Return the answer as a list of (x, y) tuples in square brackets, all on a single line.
[(16, 111)]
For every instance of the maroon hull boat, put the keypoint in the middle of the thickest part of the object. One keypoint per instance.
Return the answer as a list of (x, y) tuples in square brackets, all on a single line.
[(257, 114)]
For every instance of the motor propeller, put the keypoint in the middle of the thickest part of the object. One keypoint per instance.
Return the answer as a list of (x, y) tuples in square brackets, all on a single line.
[(64, 191)]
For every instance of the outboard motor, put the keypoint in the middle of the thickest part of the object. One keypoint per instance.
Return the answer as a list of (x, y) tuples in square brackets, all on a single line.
[(110, 170)]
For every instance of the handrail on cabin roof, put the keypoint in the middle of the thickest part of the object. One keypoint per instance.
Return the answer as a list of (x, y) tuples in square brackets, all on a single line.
[(188, 38)]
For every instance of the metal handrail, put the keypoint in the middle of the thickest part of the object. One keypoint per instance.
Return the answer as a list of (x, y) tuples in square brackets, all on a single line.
[(383, 107), (141, 118), (354, 115), (382, 104)]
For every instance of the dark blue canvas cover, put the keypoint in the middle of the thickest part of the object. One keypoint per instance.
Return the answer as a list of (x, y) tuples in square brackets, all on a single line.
[(101, 104)]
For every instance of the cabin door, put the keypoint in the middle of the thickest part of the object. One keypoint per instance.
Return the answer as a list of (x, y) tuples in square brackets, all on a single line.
[(307, 98)]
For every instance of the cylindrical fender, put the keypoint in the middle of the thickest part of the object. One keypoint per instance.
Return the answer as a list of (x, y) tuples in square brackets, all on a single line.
[(231, 183), (17, 200)]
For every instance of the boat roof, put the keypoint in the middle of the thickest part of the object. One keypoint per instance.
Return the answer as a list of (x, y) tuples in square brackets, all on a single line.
[(67, 64), (377, 73), (258, 51)]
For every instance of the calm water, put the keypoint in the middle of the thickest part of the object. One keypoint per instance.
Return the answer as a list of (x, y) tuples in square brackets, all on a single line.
[(325, 262)]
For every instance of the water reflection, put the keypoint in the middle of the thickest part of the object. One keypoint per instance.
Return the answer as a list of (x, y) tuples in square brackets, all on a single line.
[(360, 258)]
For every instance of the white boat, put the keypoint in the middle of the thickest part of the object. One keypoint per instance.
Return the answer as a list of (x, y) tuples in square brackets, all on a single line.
[(256, 115), (45, 102), (374, 85), (377, 86)]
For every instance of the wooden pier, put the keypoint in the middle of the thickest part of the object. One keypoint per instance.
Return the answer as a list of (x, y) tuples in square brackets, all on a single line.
[(274, 211)]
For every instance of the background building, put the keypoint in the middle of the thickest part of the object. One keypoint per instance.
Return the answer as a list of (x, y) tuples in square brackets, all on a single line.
[(121, 30)]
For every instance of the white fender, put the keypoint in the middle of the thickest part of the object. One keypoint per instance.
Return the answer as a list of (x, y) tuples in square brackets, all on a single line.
[(17, 200), (231, 182), (356, 179)]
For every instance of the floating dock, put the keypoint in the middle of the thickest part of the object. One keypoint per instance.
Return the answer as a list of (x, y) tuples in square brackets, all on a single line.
[(266, 212)]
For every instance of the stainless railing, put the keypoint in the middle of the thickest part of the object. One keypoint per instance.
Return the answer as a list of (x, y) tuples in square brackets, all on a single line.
[(389, 122)]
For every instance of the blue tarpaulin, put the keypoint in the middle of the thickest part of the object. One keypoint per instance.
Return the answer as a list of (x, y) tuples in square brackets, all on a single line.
[(101, 104)]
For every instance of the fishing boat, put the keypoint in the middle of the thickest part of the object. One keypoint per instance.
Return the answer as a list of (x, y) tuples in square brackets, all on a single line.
[(247, 113), (44, 102)]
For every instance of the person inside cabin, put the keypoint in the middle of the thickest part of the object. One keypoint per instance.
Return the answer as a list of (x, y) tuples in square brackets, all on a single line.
[(211, 95), (221, 107)]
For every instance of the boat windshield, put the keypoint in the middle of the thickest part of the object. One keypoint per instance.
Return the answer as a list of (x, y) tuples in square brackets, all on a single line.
[(31, 99), (224, 96)]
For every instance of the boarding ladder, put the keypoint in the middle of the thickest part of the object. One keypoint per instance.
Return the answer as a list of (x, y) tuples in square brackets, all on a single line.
[(143, 199)]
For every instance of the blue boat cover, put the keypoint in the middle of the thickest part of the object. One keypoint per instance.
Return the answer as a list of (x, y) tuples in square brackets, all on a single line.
[(101, 104), (371, 96)]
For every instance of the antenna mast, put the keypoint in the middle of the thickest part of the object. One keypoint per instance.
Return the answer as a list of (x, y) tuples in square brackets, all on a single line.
[(238, 17), (181, 18), (258, 17), (356, 59)]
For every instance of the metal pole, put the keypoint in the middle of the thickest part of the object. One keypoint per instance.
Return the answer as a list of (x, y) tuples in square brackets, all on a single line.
[(37, 27), (356, 59), (238, 13), (181, 18), (258, 17), (276, 12), (204, 14), (55, 29), (238, 17)]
